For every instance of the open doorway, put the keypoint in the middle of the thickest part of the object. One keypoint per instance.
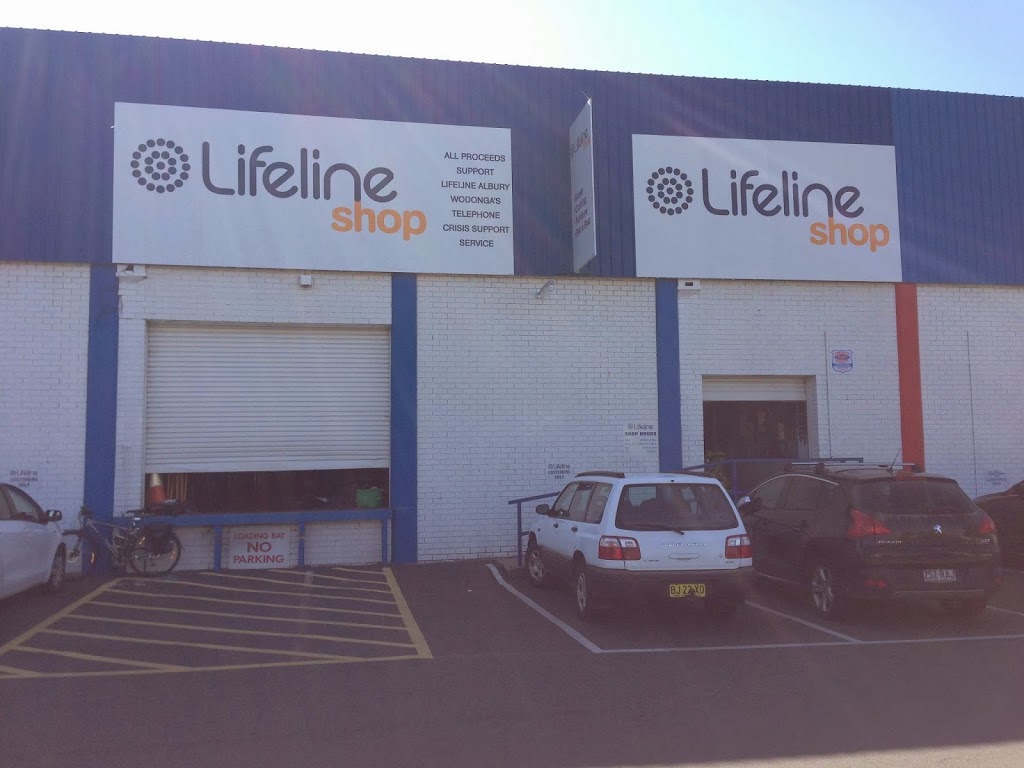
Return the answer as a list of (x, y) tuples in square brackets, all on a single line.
[(761, 429)]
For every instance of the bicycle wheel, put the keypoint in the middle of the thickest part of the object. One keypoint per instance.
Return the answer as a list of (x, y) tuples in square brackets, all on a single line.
[(144, 561)]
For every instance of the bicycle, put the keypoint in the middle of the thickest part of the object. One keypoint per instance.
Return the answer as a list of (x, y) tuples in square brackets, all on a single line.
[(149, 549)]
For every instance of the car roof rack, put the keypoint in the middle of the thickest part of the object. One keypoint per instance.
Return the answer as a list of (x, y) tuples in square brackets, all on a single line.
[(820, 465), (601, 474)]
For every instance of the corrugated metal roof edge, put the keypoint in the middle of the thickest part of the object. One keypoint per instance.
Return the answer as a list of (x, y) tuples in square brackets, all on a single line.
[(524, 67)]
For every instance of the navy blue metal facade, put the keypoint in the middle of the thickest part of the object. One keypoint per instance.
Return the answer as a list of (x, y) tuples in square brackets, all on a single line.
[(404, 430), (960, 165), (666, 325), (101, 397), (959, 169)]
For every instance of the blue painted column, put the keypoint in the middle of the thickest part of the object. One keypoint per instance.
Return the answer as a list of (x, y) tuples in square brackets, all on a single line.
[(101, 402), (670, 432), (403, 417)]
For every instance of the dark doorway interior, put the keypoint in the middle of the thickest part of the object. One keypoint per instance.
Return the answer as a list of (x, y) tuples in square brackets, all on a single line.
[(755, 430)]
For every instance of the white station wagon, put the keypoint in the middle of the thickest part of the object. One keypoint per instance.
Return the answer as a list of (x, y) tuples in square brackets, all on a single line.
[(615, 535), (31, 548)]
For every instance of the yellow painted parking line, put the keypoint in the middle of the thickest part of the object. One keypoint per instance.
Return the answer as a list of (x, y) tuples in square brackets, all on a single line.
[(223, 668), (283, 583), (24, 636), (419, 641), (269, 592), (104, 659), (207, 646), (225, 614), (364, 571), (8, 672), (316, 575), (173, 596), (249, 632)]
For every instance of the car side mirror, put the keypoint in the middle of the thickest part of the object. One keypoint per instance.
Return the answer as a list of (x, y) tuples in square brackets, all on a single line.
[(544, 509), (54, 515), (748, 505)]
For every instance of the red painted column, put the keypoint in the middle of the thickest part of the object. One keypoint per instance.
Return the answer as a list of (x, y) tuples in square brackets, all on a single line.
[(908, 348)]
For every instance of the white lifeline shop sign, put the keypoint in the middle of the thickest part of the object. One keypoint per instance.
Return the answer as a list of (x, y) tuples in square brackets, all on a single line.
[(221, 188), (771, 210)]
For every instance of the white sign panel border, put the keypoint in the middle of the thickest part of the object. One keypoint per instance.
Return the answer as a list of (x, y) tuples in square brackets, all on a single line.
[(224, 188), (733, 209)]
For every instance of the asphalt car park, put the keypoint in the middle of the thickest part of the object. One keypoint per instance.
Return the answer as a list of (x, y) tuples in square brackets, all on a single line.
[(497, 678), (206, 621), (773, 617), (216, 621)]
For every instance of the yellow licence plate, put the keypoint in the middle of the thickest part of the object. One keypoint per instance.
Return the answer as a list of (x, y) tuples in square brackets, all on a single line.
[(686, 590)]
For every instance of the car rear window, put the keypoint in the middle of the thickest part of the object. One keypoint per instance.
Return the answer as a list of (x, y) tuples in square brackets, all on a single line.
[(914, 496), (674, 506)]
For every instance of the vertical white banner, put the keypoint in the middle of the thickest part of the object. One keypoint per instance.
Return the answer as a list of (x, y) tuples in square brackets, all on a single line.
[(581, 178)]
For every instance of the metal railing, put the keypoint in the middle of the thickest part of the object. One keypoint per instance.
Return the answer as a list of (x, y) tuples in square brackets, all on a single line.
[(218, 522), (519, 520)]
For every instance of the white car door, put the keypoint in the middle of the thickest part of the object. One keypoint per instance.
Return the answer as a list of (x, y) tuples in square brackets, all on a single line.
[(554, 536), (34, 539), (8, 542)]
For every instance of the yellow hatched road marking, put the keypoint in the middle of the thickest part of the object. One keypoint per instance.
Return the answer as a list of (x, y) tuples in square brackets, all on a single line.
[(24, 636), (316, 575), (283, 583), (138, 593), (244, 616), (415, 634), (208, 646), (222, 668), (104, 659), (255, 632), (268, 592)]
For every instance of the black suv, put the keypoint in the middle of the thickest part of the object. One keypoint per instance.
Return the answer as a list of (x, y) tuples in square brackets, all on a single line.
[(864, 531)]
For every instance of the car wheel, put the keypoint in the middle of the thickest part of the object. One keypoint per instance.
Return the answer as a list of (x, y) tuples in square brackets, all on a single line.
[(585, 597), (57, 568), (827, 596), (535, 567), (967, 609), (724, 608)]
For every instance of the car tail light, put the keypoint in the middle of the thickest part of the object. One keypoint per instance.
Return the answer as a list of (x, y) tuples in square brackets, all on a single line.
[(865, 525), (738, 548), (618, 548), (987, 525)]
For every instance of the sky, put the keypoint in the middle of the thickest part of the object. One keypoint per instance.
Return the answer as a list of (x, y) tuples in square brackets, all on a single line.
[(970, 46)]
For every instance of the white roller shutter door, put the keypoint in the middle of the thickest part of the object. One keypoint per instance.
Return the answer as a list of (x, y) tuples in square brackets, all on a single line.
[(755, 388), (250, 398)]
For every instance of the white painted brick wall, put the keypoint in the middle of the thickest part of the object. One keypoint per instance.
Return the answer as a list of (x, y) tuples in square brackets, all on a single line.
[(44, 313), (509, 383), (759, 328), (350, 543), (230, 296), (971, 373)]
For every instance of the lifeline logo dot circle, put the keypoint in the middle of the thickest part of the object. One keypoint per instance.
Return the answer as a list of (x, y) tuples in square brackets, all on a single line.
[(669, 190), (160, 165)]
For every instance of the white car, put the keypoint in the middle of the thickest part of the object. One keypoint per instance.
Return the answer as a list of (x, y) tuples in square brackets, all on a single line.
[(615, 535), (31, 544)]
